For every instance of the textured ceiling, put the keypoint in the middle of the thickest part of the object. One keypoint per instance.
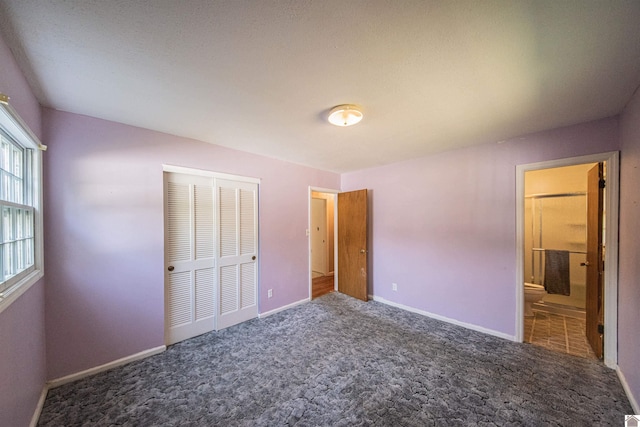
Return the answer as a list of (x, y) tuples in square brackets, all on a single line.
[(260, 76)]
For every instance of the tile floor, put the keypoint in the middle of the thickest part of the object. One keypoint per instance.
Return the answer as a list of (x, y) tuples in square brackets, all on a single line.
[(558, 332)]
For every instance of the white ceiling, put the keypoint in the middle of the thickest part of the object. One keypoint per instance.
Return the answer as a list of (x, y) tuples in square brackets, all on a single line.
[(260, 76)]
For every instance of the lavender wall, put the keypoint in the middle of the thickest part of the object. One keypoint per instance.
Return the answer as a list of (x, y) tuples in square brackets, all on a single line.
[(22, 341), (22, 357), (104, 223), (443, 226), (629, 257), (14, 84)]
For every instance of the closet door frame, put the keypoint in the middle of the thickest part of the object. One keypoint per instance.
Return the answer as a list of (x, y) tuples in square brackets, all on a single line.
[(228, 177)]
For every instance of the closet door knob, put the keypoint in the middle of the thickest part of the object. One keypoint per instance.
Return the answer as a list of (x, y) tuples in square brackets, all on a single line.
[(170, 268), (584, 264), (253, 257)]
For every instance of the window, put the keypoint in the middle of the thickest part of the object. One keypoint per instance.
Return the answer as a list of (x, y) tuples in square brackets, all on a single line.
[(16, 212), (20, 206)]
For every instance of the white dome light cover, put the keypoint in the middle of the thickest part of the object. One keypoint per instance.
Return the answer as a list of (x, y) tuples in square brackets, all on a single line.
[(345, 115)]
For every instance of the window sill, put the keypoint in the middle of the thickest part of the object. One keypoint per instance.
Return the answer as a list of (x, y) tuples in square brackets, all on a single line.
[(14, 292)]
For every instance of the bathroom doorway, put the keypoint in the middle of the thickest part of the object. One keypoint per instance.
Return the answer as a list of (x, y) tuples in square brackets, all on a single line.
[(567, 230), (555, 264)]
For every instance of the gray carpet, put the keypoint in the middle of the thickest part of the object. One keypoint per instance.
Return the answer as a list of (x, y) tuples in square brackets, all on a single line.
[(340, 362)]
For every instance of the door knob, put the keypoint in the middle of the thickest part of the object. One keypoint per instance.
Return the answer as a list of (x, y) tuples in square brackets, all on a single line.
[(584, 264), (253, 257), (170, 268), (362, 251)]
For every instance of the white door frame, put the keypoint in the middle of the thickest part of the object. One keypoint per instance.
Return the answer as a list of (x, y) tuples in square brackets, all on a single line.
[(319, 261), (215, 176), (612, 160), (335, 235)]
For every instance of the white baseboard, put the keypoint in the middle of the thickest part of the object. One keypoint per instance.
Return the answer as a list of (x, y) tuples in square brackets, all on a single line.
[(284, 307), (79, 375), (627, 390), (39, 406), (445, 319)]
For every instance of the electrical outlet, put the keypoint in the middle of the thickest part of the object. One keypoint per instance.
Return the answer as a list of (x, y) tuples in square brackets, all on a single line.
[(394, 286), (270, 293)]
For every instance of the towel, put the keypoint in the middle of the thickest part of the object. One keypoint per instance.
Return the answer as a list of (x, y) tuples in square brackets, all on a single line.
[(556, 272)]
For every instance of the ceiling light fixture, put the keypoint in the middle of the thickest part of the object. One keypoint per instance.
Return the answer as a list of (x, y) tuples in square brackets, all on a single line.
[(345, 115)]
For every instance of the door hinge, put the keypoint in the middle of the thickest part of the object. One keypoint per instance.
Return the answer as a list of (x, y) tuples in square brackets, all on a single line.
[(601, 329), (602, 183)]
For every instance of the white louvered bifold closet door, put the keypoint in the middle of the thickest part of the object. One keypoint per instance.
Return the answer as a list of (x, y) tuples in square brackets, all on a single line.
[(238, 250), (189, 256)]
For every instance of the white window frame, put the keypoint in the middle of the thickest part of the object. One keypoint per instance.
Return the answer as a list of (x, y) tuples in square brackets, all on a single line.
[(14, 126)]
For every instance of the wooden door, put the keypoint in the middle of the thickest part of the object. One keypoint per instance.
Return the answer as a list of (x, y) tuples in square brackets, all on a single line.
[(595, 262), (237, 226), (352, 244), (189, 257)]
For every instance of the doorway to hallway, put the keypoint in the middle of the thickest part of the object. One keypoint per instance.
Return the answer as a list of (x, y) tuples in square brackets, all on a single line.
[(322, 241), (344, 245)]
